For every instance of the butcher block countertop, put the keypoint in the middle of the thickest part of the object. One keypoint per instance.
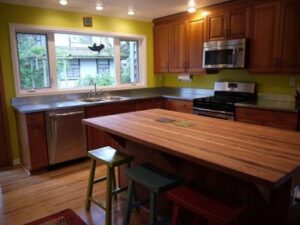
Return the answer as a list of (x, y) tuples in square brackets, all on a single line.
[(255, 153)]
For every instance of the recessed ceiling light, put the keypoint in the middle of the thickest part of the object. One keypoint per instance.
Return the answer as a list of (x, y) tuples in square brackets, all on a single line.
[(131, 12), (63, 2), (191, 9), (99, 7)]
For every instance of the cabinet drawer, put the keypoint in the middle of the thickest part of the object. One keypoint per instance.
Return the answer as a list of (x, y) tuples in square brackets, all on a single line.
[(278, 119), (179, 105)]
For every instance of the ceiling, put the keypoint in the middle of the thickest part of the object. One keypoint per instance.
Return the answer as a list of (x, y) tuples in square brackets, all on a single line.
[(145, 9)]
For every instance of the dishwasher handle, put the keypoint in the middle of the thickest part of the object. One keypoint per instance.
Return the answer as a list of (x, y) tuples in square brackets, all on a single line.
[(55, 115)]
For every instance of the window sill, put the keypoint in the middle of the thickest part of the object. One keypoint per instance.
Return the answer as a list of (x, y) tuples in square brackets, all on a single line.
[(77, 90)]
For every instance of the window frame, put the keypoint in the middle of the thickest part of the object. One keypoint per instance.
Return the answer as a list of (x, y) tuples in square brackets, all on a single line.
[(50, 31)]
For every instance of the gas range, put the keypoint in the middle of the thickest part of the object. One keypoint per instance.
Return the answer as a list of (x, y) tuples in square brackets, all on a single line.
[(222, 104)]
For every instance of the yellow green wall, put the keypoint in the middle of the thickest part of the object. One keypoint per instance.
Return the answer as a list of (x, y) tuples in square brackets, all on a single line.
[(266, 83), (45, 17)]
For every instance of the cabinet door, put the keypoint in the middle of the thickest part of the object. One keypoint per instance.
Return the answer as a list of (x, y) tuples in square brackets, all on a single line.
[(161, 49), (290, 45), (37, 141), (177, 47), (216, 27), (195, 45), (238, 24), (264, 37), (270, 118)]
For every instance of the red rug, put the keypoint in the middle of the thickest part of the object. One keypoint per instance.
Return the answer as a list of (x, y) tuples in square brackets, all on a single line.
[(65, 217)]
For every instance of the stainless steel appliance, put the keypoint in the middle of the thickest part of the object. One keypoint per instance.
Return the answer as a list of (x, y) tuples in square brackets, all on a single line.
[(65, 135), (224, 54), (221, 105)]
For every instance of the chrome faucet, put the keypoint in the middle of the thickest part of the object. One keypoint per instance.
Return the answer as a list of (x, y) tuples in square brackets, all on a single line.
[(95, 88), (94, 93)]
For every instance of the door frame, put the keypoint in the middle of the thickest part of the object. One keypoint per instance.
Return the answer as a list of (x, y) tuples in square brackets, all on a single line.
[(7, 145)]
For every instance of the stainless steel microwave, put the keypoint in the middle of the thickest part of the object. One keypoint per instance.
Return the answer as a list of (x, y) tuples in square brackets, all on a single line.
[(224, 54)]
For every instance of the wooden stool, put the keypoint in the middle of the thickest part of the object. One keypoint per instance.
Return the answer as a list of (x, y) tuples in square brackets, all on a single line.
[(112, 158), (214, 212), (153, 179)]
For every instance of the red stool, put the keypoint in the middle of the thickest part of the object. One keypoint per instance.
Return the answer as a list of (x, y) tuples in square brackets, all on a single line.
[(205, 208)]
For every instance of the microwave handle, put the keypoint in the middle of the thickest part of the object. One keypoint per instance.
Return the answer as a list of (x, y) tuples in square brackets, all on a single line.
[(234, 56)]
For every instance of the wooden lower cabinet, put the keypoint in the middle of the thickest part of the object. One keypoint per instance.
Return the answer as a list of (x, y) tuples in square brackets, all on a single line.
[(185, 106), (271, 118), (33, 141), (149, 104)]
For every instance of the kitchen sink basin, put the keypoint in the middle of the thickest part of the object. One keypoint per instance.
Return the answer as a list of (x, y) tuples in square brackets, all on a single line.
[(103, 99)]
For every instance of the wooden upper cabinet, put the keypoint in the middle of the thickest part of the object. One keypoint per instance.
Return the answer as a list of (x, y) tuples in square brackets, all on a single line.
[(216, 27), (232, 24), (196, 34), (264, 37), (289, 56), (238, 24), (177, 47), (161, 48)]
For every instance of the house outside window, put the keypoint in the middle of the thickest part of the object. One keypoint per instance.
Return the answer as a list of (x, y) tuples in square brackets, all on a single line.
[(56, 60)]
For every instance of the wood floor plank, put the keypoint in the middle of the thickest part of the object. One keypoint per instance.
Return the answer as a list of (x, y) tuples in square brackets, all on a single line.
[(26, 198)]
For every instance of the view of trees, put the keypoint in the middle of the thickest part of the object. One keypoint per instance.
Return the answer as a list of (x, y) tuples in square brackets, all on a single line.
[(33, 61)]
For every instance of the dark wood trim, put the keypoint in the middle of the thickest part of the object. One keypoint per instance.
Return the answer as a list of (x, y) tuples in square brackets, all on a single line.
[(5, 150)]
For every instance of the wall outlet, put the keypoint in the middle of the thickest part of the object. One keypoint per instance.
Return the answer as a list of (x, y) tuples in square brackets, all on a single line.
[(292, 82)]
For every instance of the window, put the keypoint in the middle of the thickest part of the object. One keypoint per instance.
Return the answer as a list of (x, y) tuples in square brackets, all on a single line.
[(129, 62), (33, 61), (48, 60), (71, 49)]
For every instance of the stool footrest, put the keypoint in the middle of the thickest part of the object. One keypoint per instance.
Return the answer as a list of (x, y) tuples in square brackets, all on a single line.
[(119, 190), (99, 180), (100, 204)]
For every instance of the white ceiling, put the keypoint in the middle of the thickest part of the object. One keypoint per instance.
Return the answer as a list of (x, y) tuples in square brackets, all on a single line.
[(145, 9)]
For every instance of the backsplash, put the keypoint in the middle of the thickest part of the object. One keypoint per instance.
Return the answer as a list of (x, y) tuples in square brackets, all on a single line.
[(278, 84)]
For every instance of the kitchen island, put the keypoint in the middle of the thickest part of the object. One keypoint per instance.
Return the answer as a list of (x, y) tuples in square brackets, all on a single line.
[(256, 165)]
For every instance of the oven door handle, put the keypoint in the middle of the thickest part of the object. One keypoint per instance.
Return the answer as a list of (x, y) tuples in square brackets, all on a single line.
[(214, 111)]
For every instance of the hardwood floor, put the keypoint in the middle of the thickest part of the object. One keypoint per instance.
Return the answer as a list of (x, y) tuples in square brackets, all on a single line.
[(26, 198)]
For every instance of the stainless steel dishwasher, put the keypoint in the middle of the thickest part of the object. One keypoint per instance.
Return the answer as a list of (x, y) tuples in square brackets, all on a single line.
[(65, 135)]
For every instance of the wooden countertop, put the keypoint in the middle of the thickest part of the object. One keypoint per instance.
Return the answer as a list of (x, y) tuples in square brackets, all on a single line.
[(258, 154)]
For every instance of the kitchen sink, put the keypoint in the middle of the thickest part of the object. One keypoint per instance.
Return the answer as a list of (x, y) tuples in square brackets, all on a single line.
[(103, 99)]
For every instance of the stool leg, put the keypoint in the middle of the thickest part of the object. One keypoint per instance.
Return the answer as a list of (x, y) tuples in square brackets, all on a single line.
[(108, 208), (175, 215), (152, 208), (90, 185), (127, 214), (114, 186)]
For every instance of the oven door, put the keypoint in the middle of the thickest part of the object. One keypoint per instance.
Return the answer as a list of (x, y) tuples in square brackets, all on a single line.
[(213, 113)]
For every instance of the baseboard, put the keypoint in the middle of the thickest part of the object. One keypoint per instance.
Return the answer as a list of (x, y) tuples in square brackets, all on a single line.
[(16, 162)]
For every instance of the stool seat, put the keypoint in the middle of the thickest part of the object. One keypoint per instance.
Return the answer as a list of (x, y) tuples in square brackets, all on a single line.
[(110, 156), (208, 208), (152, 178)]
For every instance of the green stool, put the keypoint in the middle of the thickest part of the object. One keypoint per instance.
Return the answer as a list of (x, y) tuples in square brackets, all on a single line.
[(111, 158), (153, 179)]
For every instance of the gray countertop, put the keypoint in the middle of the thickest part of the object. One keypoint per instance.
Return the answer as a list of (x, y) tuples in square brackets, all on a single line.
[(55, 102), (273, 102)]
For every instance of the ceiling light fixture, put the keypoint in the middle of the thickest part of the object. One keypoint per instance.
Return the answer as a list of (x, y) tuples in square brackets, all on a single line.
[(130, 12), (191, 9), (99, 7), (63, 2)]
